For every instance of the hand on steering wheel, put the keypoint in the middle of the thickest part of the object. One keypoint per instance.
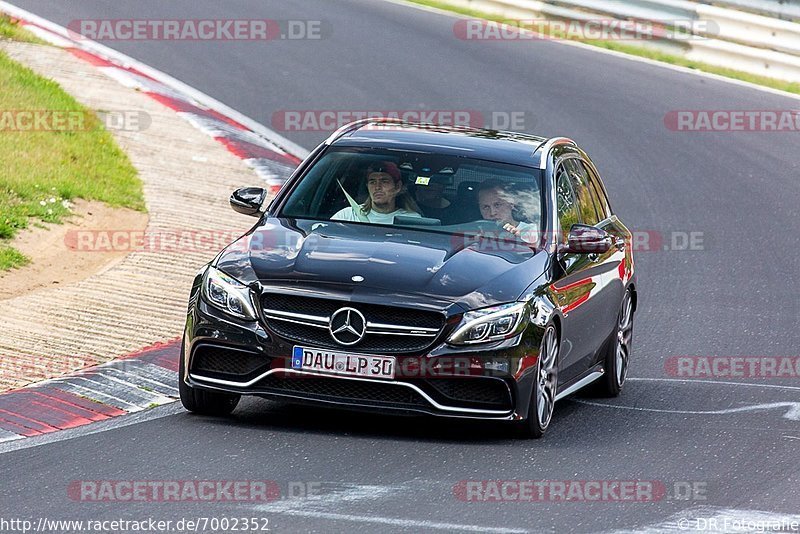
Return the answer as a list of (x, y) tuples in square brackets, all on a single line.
[(501, 229), (511, 229)]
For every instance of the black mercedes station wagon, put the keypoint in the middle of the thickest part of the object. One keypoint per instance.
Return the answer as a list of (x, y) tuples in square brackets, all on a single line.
[(419, 269)]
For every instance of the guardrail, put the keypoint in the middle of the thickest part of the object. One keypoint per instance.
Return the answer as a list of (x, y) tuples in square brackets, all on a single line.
[(731, 38), (782, 9)]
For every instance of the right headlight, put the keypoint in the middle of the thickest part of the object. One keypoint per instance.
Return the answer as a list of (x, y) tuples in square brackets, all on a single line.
[(491, 324), (228, 294)]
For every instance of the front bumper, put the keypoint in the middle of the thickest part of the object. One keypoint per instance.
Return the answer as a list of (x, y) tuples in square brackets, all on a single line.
[(248, 358)]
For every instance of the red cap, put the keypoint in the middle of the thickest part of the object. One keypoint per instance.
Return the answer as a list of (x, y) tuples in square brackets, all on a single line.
[(386, 167)]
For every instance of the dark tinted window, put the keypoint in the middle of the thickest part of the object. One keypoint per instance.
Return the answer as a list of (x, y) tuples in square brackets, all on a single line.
[(566, 203), (428, 191), (600, 200), (583, 194)]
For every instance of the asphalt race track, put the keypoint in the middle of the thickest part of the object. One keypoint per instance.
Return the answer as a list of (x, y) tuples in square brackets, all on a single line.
[(737, 295)]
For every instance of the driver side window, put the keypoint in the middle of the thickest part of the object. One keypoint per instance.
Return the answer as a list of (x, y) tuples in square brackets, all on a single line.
[(566, 205)]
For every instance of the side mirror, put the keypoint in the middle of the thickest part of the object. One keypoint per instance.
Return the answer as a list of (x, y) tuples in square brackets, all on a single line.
[(585, 239), (248, 200)]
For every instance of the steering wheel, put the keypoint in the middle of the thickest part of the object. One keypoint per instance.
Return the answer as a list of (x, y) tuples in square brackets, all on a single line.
[(493, 228)]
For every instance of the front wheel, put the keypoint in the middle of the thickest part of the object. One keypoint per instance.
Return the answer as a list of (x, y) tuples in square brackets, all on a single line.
[(202, 401), (543, 397)]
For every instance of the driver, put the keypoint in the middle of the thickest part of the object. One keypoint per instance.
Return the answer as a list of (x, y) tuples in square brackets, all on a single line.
[(498, 204), (388, 197)]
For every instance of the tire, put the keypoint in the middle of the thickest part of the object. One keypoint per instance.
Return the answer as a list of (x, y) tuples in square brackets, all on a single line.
[(543, 397), (618, 354), (204, 402)]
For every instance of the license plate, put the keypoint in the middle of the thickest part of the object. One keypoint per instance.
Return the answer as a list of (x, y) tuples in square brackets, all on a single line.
[(342, 363)]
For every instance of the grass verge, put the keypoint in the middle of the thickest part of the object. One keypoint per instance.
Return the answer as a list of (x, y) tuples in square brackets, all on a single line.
[(10, 258), (648, 53), (10, 30), (43, 168)]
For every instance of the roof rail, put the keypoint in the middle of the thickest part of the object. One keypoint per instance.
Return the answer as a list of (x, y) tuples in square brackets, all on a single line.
[(548, 145), (355, 125)]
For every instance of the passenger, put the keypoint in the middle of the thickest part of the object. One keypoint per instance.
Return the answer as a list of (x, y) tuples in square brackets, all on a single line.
[(497, 203), (430, 197), (388, 197)]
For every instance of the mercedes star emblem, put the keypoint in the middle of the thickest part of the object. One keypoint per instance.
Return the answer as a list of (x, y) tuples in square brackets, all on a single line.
[(347, 326)]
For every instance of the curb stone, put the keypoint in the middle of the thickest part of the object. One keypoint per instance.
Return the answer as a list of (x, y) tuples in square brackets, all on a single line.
[(189, 141)]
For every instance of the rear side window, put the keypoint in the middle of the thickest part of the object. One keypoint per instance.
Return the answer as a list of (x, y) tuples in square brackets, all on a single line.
[(600, 200), (580, 182)]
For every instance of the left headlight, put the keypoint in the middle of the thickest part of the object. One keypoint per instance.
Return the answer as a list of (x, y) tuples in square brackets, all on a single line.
[(491, 324), (228, 294)]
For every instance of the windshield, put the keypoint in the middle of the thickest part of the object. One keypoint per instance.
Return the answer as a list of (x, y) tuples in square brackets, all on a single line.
[(426, 191)]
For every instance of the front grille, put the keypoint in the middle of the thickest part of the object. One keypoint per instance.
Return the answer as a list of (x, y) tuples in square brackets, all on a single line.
[(321, 338), (342, 390), (373, 313), (228, 362), (483, 391)]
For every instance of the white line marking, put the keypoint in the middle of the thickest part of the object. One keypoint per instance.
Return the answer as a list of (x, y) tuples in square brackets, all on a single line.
[(47, 36), (333, 498), (8, 436), (698, 381), (71, 382), (94, 428), (154, 396), (406, 523), (359, 494), (267, 169), (712, 519), (793, 414), (121, 76), (135, 376)]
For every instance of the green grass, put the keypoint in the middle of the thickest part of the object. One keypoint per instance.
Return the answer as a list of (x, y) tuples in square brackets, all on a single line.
[(42, 171), (9, 30), (633, 50), (789, 87), (10, 258)]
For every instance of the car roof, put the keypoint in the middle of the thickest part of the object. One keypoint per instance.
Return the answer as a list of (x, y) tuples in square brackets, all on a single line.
[(507, 147)]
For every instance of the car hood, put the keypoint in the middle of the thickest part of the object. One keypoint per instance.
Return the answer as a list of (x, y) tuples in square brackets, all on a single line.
[(375, 259)]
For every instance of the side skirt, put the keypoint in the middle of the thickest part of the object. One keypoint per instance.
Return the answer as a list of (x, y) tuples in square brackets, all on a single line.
[(593, 375)]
